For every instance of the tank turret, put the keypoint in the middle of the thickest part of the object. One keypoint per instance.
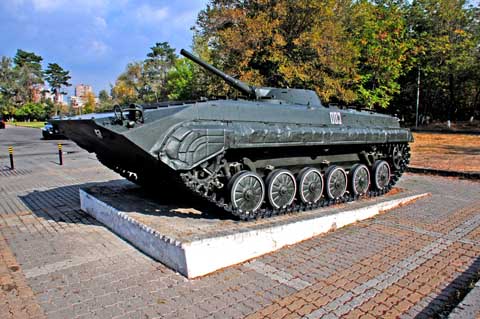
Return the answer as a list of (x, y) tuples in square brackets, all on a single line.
[(293, 96)]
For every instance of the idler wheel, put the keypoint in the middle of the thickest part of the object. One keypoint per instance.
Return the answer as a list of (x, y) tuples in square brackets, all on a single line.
[(381, 174), (359, 179), (247, 191), (310, 185), (281, 188), (336, 182), (397, 156)]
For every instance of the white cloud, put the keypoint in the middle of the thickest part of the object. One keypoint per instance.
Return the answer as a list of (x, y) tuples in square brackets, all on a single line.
[(148, 14), (186, 18), (100, 23), (46, 5)]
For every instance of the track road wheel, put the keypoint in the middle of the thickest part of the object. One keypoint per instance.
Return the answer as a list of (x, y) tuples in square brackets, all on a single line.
[(359, 179), (310, 185), (247, 191), (281, 188), (398, 152), (381, 174), (335, 182)]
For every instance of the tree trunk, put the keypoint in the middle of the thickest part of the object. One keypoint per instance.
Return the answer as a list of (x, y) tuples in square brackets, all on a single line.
[(451, 87)]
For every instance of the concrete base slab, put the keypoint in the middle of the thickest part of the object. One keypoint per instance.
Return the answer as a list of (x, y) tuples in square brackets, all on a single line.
[(197, 242)]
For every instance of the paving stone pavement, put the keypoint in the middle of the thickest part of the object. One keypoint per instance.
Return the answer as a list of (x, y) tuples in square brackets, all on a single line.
[(57, 262)]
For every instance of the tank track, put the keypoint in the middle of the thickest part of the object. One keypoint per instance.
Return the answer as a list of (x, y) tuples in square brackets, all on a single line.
[(299, 207)]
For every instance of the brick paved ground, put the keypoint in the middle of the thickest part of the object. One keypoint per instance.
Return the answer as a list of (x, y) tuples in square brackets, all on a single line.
[(57, 262)]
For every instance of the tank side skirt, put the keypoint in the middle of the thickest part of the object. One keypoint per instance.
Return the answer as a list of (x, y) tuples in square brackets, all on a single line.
[(203, 141)]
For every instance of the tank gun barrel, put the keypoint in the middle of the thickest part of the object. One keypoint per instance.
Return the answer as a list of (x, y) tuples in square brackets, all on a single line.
[(239, 85)]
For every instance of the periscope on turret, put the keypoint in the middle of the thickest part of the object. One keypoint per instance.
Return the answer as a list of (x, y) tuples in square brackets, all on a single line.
[(277, 150)]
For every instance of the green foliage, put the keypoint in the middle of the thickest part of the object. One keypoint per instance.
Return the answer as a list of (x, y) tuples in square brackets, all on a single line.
[(90, 104), (447, 39), (130, 85), (379, 31), (283, 43), (364, 52), (28, 59), (57, 77), (8, 86), (105, 102), (103, 96), (31, 111), (28, 72), (181, 81), (155, 70), (21, 77), (146, 81)]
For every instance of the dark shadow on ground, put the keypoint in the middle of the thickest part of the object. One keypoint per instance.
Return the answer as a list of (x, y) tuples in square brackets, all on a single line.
[(452, 149), (462, 150), (62, 204), (453, 294)]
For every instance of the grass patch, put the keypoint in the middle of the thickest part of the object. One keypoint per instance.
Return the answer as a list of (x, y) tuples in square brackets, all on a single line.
[(28, 124)]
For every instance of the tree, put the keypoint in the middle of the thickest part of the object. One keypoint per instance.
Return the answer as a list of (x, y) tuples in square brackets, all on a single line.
[(379, 30), (182, 82), (57, 77), (29, 74), (282, 43), (90, 103), (8, 86), (130, 85), (103, 96), (146, 81), (104, 101), (447, 41), (31, 111), (156, 67)]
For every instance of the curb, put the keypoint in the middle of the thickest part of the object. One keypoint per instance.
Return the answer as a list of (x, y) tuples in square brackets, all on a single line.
[(13, 125), (469, 306), (441, 172)]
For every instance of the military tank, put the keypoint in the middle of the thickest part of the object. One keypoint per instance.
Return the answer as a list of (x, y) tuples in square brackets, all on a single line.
[(273, 151)]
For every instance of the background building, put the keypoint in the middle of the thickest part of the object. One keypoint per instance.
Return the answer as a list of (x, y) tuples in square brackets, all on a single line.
[(41, 93), (81, 90), (82, 93)]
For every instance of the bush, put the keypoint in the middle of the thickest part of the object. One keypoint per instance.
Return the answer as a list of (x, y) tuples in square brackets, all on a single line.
[(31, 111)]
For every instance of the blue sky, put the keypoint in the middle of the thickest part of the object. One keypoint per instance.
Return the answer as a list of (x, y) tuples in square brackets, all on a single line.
[(95, 39)]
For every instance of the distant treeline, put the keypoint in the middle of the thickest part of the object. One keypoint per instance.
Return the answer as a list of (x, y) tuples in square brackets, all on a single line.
[(363, 53), (370, 54)]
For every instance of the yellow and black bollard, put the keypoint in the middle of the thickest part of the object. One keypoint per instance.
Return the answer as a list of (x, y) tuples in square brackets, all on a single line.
[(60, 154), (10, 152)]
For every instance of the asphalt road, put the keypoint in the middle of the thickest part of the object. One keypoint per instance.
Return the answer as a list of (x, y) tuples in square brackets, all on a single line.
[(57, 262)]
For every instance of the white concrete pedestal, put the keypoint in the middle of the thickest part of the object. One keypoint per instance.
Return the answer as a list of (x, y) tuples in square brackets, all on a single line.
[(195, 256)]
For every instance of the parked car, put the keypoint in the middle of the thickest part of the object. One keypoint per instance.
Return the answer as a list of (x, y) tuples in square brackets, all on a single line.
[(2, 123), (51, 131)]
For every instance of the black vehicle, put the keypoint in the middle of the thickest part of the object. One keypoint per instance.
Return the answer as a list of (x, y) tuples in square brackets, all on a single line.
[(51, 131), (278, 150)]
